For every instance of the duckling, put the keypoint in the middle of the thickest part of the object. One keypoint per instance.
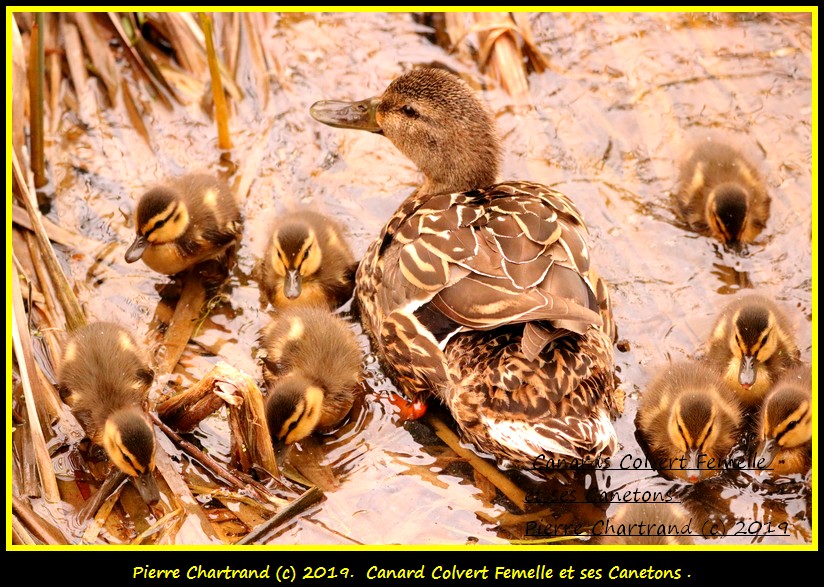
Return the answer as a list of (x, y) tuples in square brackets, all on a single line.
[(307, 262), (481, 294), (690, 420), (647, 523), (752, 345), (786, 425), (311, 365), (185, 221), (722, 195), (104, 377)]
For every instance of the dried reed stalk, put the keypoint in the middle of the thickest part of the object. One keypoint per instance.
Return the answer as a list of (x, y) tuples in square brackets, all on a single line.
[(71, 307), (251, 443), (183, 323), (263, 532), (169, 519), (40, 528), (238, 480), (55, 68), (26, 457), (113, 481), (196, 522), (37, 80), (501, 57), (54, 232), (530, 48), (516, 495), (77, 68), (187, 45), (505, 40), (221, 109), (19, 84), (55, 315), (187, 409), (100, 53), (257, 56), (135, 116), (140, 57), (101, 513), (33, 394), (20, 535)]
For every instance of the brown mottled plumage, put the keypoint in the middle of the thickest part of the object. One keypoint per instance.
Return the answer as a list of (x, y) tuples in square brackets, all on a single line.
[(307, 262), (785, 426), (185, 221), (690, 420), (482, 294), (311, 365), (721, 194), (104, 377), (752, 345)]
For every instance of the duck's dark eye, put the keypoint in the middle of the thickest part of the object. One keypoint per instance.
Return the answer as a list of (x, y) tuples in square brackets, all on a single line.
[(293, 425), (159, 224), (409, 112), (792, 425)]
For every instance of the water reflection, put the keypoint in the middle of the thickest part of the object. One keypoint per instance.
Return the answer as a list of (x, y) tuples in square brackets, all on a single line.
[(606, 127)]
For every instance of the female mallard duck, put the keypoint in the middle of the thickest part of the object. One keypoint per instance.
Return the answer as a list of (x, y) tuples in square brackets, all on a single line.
[(307, 262), (690, 420), (104, 377), (752, 345), (786, 425), (647, 523), (722, 195), (482, 294), (183, 222), (311, 365)]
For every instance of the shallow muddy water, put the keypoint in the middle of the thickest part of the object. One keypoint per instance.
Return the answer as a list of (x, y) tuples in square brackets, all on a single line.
[(624, 97)]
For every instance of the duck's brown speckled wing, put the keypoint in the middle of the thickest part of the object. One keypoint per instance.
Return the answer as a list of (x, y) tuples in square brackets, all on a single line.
[(514, 253), (511, 253), (558, 405)]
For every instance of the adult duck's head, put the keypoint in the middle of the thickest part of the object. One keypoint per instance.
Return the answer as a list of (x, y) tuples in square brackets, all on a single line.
[(433, 118)]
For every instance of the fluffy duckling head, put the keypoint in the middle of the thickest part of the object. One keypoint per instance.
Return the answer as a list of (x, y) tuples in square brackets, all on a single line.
[(755, 336), (726, 211), (296, 254), (129, 441), (434, 119), (293, 408), (786, 424), (695, 430), (162, 217)]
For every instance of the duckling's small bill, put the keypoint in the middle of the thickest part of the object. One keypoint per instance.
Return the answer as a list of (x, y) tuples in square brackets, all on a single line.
[(136, 249)]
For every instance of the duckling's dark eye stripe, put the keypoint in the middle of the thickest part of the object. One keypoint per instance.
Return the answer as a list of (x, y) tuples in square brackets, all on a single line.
[(291, 426), (722, 228), (131, 461), (762, 341), (162, 221), (683, 434), (705, 436), (738, 341)]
